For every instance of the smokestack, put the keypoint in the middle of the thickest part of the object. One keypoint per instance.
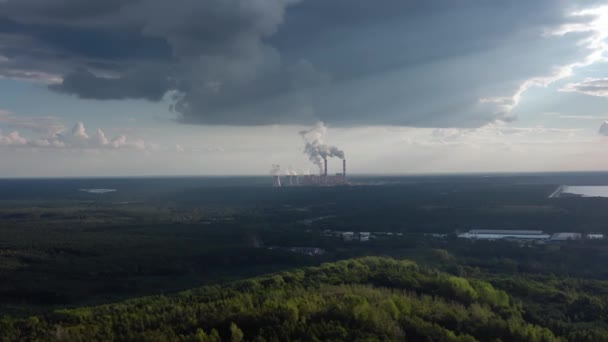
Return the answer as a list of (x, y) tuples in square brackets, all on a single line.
[(276, 181), (275, 171), (325, 172), (344, 169)]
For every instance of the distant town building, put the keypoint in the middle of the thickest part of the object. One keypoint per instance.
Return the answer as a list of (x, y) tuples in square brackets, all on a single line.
[(349, 236), (364, 236), (595, 236), (310, 251), (437, 235)]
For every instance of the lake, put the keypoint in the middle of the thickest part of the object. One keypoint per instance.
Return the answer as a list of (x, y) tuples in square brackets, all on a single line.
[(582, 190)]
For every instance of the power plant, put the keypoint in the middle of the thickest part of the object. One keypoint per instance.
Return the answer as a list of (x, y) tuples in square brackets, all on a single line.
[(291, 178), (324, 179), (276, 175), (318, 153)]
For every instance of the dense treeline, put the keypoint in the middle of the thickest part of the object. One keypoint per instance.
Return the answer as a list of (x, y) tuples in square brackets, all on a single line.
[(373, 299), (62, 247), (560, 286)]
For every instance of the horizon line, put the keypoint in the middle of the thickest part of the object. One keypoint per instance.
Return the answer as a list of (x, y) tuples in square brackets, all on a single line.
[(388, 174)]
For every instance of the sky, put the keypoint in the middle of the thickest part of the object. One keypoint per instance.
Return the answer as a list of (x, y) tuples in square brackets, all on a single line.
[(230, 87)]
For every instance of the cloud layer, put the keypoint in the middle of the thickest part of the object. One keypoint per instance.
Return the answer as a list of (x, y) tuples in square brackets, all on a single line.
[(346, 62), (77, 138), (47, 124), (590, 86)]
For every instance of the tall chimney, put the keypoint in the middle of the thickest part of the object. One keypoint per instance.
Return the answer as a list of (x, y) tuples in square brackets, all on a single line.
[(344, 169), (325, 173)]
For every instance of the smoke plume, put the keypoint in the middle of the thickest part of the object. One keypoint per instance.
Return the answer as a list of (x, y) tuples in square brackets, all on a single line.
[(315, 146), (604, 129), (290, 171), (275, 170)]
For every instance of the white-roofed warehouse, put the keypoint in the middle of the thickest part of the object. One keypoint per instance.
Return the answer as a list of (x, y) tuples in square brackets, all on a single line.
[(489, 234)]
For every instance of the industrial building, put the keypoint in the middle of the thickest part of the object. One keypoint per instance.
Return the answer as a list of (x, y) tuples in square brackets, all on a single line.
[(489, 234), (348, 236), (530, 235), (310, 251), (324, 179), (566, 236)]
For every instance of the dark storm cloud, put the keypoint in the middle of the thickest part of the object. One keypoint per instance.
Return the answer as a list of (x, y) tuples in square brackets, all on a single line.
[(84, 42), (359, 37), (61, 11), (144, 83), (249, 62)]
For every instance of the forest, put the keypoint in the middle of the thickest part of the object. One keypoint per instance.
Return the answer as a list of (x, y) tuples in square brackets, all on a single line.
[(366, 299), (209, 262)]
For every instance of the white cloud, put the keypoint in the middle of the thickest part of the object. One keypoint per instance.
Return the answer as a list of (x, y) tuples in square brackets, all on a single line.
[(589, 86), (199, 149), (376, 149), (490, 136), (30, 75), (101, 137), (218, 149), (595, 43), (120, 141), (78, 138), (79, 132), (50, 125), (12, 139), (576, 117)]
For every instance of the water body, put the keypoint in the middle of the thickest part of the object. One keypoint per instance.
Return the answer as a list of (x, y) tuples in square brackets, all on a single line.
[(583, 191), (98, 191)]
